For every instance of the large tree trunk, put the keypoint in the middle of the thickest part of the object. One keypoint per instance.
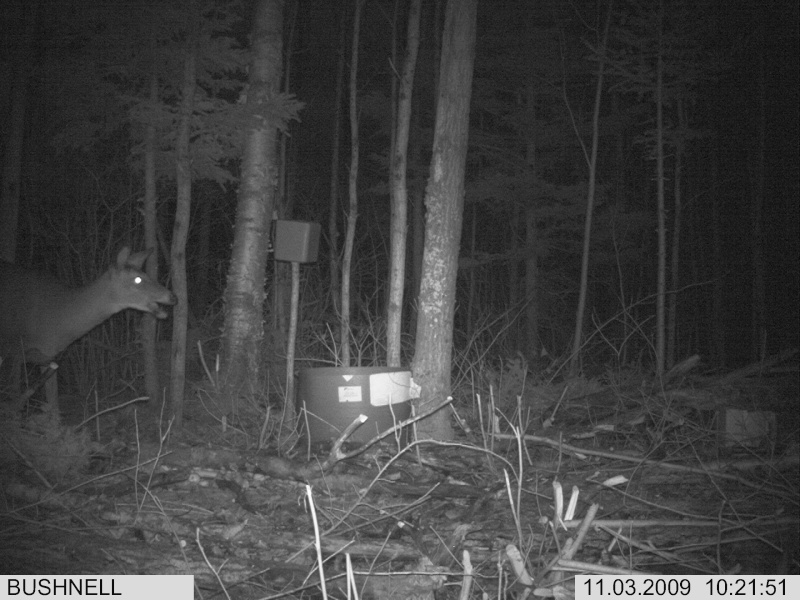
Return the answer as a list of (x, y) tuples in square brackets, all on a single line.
[(243, 332), (399, 193), (445, 208)]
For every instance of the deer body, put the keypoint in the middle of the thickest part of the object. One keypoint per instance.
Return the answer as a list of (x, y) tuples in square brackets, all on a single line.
[(40, 317)]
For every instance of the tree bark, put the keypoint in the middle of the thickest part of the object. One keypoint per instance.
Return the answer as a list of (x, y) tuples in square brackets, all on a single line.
[(717, 266), (399, 192), (590, 199), (333, 214), (661, 290), (180, 232), (531, 244), (675, 279), (149, 326), (352, 213), (417, 247), (445, 207), (532, 349), (758, 338), (243, 331)]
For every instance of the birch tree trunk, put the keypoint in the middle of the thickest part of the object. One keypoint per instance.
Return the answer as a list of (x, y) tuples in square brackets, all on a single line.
[(445, 209)]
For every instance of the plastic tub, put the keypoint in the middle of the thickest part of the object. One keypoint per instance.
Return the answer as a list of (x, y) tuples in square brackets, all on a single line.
[(332, 397)]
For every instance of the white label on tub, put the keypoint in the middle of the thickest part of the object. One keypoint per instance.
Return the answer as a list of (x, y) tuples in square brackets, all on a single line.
[(389, 388), (350, 393)]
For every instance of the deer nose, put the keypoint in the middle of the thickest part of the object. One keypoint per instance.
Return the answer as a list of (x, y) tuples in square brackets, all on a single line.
[(173, 299)]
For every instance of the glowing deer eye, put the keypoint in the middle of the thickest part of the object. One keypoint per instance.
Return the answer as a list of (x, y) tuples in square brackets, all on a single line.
[(137, 280)]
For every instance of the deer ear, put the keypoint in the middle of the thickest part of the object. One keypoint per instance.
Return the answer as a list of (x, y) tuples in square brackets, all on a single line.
[(136, 260), (122, 257)]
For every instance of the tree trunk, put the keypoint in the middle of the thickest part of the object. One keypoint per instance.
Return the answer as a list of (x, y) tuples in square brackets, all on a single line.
[(531, 349), (399, 193), (180, 232), (352, 213), (201, 255), (472, 275), (283, 206), (243, 332), (445, 207), (333, 214), (717, 267), (152, 385), (758, 338), (672, 313), (661, 290), (619, 192), (590, 198), (417, 248)]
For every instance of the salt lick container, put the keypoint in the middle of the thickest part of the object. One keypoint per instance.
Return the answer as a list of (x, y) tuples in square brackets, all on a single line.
[(330, 398)]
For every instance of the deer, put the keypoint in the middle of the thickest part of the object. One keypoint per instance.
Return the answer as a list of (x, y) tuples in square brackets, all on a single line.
[(40, 316)]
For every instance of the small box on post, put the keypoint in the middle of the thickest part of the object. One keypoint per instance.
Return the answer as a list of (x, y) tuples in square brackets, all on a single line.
[(296, 241)]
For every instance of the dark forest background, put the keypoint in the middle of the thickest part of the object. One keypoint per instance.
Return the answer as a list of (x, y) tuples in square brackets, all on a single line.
[(732, 67)]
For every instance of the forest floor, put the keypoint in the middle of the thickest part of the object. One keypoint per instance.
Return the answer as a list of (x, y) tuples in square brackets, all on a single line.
[(701, 476)]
